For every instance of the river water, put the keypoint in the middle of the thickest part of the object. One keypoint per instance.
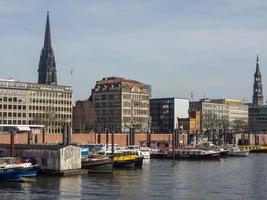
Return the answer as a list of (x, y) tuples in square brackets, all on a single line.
[(229, 178)]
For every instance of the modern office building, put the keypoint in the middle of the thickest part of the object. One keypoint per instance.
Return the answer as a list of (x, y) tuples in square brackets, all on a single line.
[(238, 112), (214, 116), (165, 113), (121, 104), (35, 104), (258, 118)]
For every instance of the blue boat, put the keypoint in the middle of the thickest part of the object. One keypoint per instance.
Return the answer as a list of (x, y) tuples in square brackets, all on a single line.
[(11, 173), (31, 171)]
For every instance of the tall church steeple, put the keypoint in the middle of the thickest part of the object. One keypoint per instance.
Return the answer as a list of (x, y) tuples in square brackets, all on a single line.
[(257, 86), (47, 73)]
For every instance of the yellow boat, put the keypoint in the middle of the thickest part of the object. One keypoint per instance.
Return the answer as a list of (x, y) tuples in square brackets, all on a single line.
[(255, 148), (122, 159)]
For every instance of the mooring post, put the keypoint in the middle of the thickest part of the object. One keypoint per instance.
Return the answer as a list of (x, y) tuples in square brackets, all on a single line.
[(43, 134), (29, 137), (12, 143), (196, 137), (112, 144), (173, 138), (106, 130)]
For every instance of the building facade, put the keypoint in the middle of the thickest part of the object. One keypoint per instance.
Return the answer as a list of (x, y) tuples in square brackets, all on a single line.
[(192, 123), (214, 116), (238, 113), (258, 118), (35, 104), (121, 104), (165, 113)]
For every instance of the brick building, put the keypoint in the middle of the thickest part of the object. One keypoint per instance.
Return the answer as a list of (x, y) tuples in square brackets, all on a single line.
[(121, 104)]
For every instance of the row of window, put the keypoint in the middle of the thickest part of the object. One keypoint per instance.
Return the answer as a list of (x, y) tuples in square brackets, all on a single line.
[(47, 108), (50, 94), (108, 119), (14, 114), (107, 104), (13, 107), (110, 112), (51, 101), (19, 100), (107, 88), (34, 115), (129, 96), (135, 112), (12, 121), (135, 120)]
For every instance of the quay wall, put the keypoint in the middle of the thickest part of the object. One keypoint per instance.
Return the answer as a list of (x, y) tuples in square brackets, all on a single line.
[(85, 138), (120, 139)]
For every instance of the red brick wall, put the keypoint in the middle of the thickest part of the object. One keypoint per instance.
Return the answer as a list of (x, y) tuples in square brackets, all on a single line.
[(120, 139)]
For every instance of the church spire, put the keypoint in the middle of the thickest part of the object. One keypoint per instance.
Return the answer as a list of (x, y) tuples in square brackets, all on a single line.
[(257, 86), (47, 73), (47, 39)]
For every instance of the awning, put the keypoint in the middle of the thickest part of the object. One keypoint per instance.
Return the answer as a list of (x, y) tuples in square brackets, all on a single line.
[(23, 128)]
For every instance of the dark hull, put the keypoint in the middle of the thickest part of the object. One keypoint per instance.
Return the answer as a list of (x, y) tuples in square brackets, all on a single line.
[(100, 166), (30, 172), (124, 164), (224, 154), (11, 174), (161, 155), (199, 157), (214, 156), (139, 162)]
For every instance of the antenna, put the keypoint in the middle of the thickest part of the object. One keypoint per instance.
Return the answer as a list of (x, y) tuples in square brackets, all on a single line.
[(71, 76), (192, 96)]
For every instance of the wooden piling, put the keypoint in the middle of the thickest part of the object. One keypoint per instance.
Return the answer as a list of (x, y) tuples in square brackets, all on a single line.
[(12, 143)]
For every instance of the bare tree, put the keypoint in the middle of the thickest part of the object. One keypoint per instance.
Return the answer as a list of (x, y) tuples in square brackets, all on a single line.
[(84, 116), (239, 124)]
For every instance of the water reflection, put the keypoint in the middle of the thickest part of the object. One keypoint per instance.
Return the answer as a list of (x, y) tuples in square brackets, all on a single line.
[(238, 178)]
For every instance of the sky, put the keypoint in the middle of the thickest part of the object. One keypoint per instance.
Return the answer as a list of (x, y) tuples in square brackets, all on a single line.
[(204, 47)]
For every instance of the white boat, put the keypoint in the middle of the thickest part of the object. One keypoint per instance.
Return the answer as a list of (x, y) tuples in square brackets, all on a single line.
[(145, 151), (234, 150), (210, 146), (142, 151)]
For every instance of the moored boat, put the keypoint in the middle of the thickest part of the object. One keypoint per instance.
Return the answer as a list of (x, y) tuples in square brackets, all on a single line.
[(234, 150), (141, 151), (197, 154), (30, 169), (11, 173), (210, 146), (97, 164), (127, 159), (188, 153), (145, 151)]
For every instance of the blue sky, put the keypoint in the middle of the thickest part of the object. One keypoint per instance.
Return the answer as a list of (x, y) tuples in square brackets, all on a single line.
[(207, 47)]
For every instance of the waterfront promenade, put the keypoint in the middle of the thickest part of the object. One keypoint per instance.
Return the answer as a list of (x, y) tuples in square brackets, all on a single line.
[(229, 178)]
